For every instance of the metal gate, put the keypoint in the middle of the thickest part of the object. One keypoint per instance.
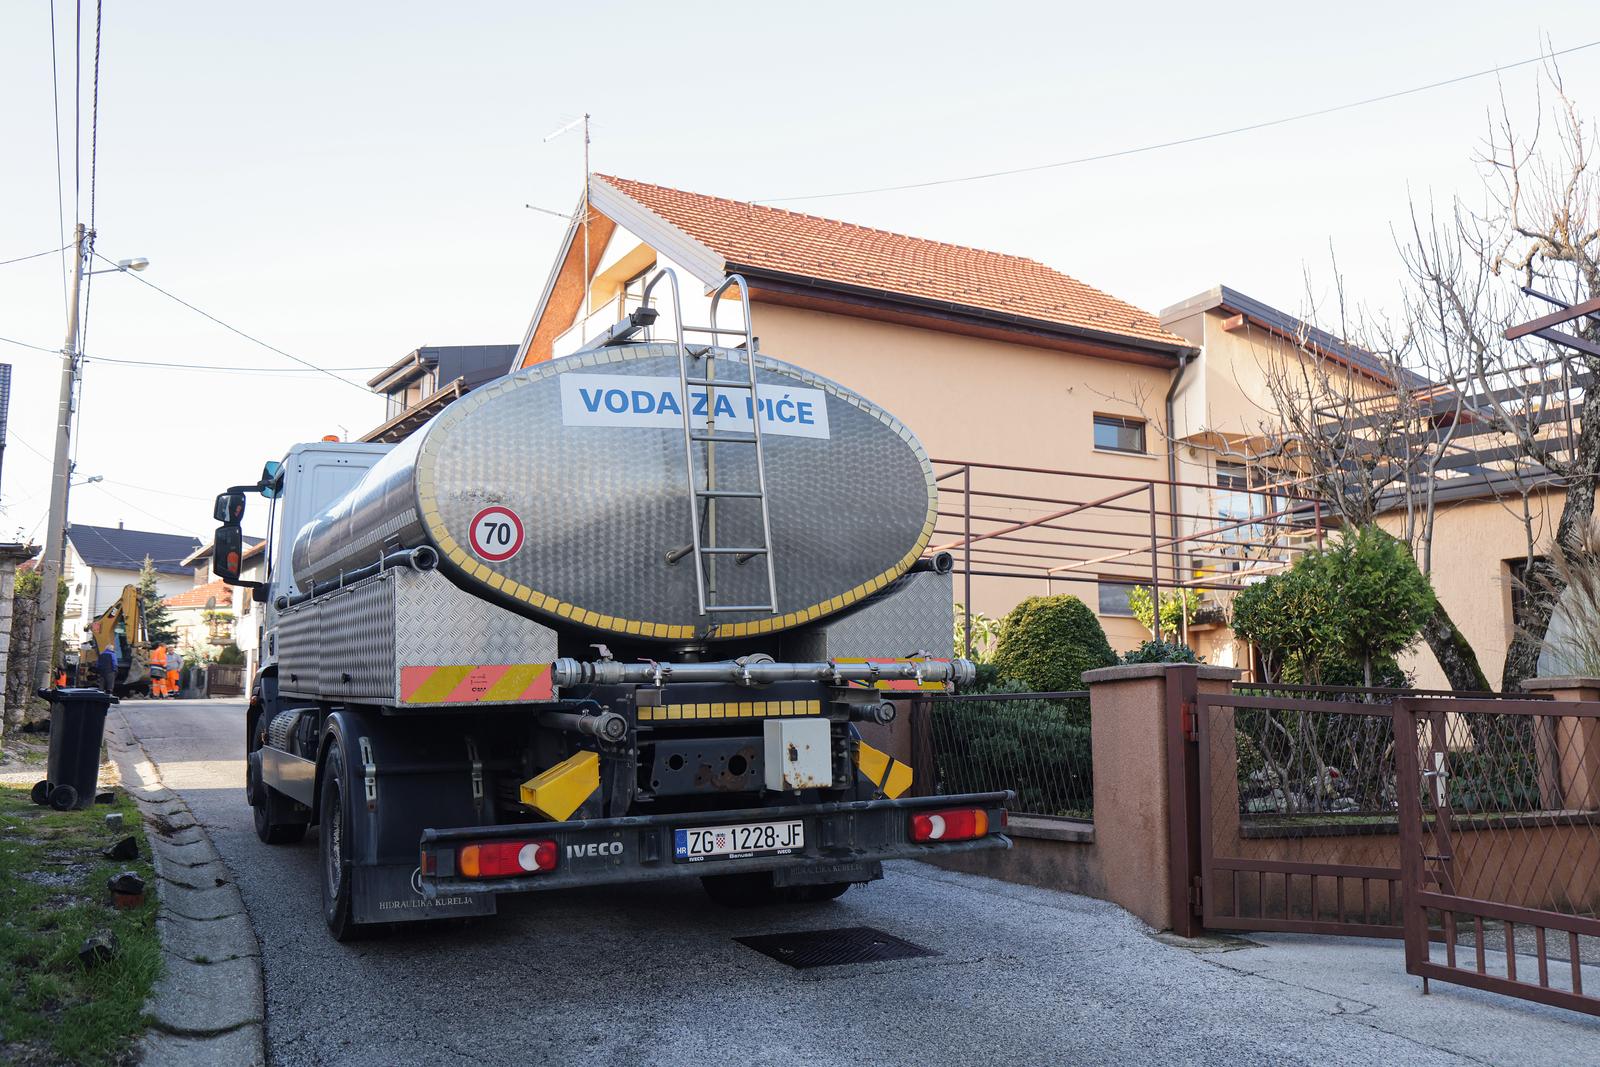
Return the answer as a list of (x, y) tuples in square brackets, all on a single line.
[(1296, 831), (1499, 804)]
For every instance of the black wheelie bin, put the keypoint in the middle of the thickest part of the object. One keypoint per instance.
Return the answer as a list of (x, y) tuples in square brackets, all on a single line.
[(77, 723)]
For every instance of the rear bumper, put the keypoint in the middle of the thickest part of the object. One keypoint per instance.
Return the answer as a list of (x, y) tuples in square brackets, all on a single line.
[(639, 848)]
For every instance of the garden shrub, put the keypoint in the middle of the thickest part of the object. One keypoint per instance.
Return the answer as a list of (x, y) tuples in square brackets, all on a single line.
[(1047, 642), (1161, 652)]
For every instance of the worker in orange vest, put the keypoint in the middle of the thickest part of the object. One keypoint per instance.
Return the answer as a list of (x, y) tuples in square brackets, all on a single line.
[(158, 671), (174, 665)]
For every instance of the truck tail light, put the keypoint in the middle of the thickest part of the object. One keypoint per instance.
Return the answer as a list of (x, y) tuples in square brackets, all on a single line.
[(956, 824), (501, 859)]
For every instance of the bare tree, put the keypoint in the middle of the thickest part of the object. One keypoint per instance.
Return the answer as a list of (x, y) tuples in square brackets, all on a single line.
[(1474, 275), (1371, 433)]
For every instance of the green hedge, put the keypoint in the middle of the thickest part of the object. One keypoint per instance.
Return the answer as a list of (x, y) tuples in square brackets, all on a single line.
[(1039, 748), (1047, 642)]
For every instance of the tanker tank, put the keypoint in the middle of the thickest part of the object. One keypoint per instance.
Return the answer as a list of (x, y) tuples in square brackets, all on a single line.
[(560, 492)]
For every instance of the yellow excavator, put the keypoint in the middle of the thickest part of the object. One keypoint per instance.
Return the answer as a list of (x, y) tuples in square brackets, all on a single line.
[(122, 625)]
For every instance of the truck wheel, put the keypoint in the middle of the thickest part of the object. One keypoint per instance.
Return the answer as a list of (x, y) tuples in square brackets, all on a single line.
[(817, 894), (748, 890), (336, 851), (271, 811), (755, 889)]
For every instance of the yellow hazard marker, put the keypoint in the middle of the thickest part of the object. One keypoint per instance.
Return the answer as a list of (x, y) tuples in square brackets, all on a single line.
[(890, 775), (561, 790)]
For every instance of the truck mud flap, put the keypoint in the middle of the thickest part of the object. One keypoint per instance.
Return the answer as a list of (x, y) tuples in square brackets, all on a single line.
[(391, 893), (844, 841)]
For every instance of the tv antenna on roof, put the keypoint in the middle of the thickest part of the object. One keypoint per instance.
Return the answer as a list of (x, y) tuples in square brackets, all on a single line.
[(581, 120)]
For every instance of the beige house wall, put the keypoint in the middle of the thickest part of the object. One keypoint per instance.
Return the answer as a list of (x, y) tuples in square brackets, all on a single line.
[(1474, 544), (979, 400)]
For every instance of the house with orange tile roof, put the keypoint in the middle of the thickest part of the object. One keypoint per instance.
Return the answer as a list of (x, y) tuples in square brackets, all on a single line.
[(987, 356), (999, 359)]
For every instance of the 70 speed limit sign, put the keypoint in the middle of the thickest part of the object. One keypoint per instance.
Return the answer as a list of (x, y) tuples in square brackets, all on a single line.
[(496, 534)]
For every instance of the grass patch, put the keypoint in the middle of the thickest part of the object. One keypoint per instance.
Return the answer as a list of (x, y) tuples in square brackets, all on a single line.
[(53, 894)]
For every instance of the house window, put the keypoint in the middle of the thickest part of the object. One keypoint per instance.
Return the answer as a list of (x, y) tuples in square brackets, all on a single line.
[(1117, 433), (1519, 590), (1114, 599)]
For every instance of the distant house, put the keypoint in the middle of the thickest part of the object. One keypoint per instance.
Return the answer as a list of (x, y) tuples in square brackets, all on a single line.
[(419, 386), (203, 615), (101, 560)]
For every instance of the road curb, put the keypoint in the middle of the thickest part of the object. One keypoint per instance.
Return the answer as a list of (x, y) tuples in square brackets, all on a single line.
[(209, 1006)]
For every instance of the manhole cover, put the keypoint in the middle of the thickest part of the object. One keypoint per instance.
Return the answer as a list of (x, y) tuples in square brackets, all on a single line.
[(832, 948)]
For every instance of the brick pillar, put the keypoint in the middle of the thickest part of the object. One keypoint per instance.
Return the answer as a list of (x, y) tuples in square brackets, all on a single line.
[(1146, 785), (1568, 748)]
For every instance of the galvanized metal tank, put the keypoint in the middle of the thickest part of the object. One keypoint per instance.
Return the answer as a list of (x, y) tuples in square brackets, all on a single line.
[(560, 492)]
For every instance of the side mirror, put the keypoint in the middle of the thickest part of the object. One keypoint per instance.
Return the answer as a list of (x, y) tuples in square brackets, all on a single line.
[(269, 478), (229, 508), (227, 551)]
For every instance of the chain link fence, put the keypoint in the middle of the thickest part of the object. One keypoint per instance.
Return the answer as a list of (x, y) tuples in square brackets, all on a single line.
[(1036, 744)]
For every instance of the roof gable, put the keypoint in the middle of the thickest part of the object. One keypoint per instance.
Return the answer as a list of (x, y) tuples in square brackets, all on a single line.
[(216, 591), (755, 237), (121, 549)]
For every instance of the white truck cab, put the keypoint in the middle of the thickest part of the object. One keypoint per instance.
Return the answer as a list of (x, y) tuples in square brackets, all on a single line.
[(312, 477)]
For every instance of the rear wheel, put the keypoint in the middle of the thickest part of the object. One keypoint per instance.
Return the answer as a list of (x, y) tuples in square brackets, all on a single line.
[(754, 889), (336, 852), (63, 797)]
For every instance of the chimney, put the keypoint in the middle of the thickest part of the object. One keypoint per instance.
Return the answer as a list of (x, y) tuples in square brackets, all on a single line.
[(119, 524)]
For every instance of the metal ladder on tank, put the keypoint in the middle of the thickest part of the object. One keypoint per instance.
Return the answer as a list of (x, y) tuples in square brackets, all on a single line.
[(697, 367)]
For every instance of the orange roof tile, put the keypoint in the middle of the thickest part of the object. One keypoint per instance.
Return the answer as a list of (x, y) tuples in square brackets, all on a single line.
[(197, 597), (753, 235)]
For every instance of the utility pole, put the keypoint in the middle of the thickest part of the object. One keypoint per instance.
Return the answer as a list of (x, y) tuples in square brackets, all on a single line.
[(60, 477)]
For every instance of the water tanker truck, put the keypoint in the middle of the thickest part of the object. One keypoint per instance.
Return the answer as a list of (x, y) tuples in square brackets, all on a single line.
[(643, 612)]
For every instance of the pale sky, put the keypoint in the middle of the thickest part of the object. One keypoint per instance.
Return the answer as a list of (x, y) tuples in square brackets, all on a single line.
[(346, 181)]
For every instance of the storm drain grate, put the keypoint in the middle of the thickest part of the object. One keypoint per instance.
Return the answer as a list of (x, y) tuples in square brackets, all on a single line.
[(832, 948)]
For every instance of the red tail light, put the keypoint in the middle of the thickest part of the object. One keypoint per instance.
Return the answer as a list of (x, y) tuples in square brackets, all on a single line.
[(501, 859), (956, 824)]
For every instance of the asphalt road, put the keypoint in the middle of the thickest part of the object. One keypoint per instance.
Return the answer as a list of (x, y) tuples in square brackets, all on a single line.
[(652, 975)]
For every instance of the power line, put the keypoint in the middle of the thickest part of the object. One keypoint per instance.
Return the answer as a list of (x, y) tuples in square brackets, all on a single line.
[(125, 503), (235, 329), (153, 489), (194, 367), (220, 367), (36, 255), (36, 348), (55, 118), (1182, 140), (94, 159), (77, 114)]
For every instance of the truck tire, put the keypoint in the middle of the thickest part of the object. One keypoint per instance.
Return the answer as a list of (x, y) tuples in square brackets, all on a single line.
[(754, 889), (336, 851), (271, 811)]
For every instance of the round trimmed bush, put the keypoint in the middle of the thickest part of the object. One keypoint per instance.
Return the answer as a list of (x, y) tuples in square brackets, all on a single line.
[(1047, 642)]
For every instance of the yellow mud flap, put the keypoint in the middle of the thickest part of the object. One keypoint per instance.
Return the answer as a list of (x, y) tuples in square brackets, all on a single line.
[(890, 775), (561, 790)]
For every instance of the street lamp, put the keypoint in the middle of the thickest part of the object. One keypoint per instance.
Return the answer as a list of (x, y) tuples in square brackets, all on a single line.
[(123, 266)]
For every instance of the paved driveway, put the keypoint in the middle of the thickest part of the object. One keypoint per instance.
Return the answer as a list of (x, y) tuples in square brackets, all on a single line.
[(652, 975)]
